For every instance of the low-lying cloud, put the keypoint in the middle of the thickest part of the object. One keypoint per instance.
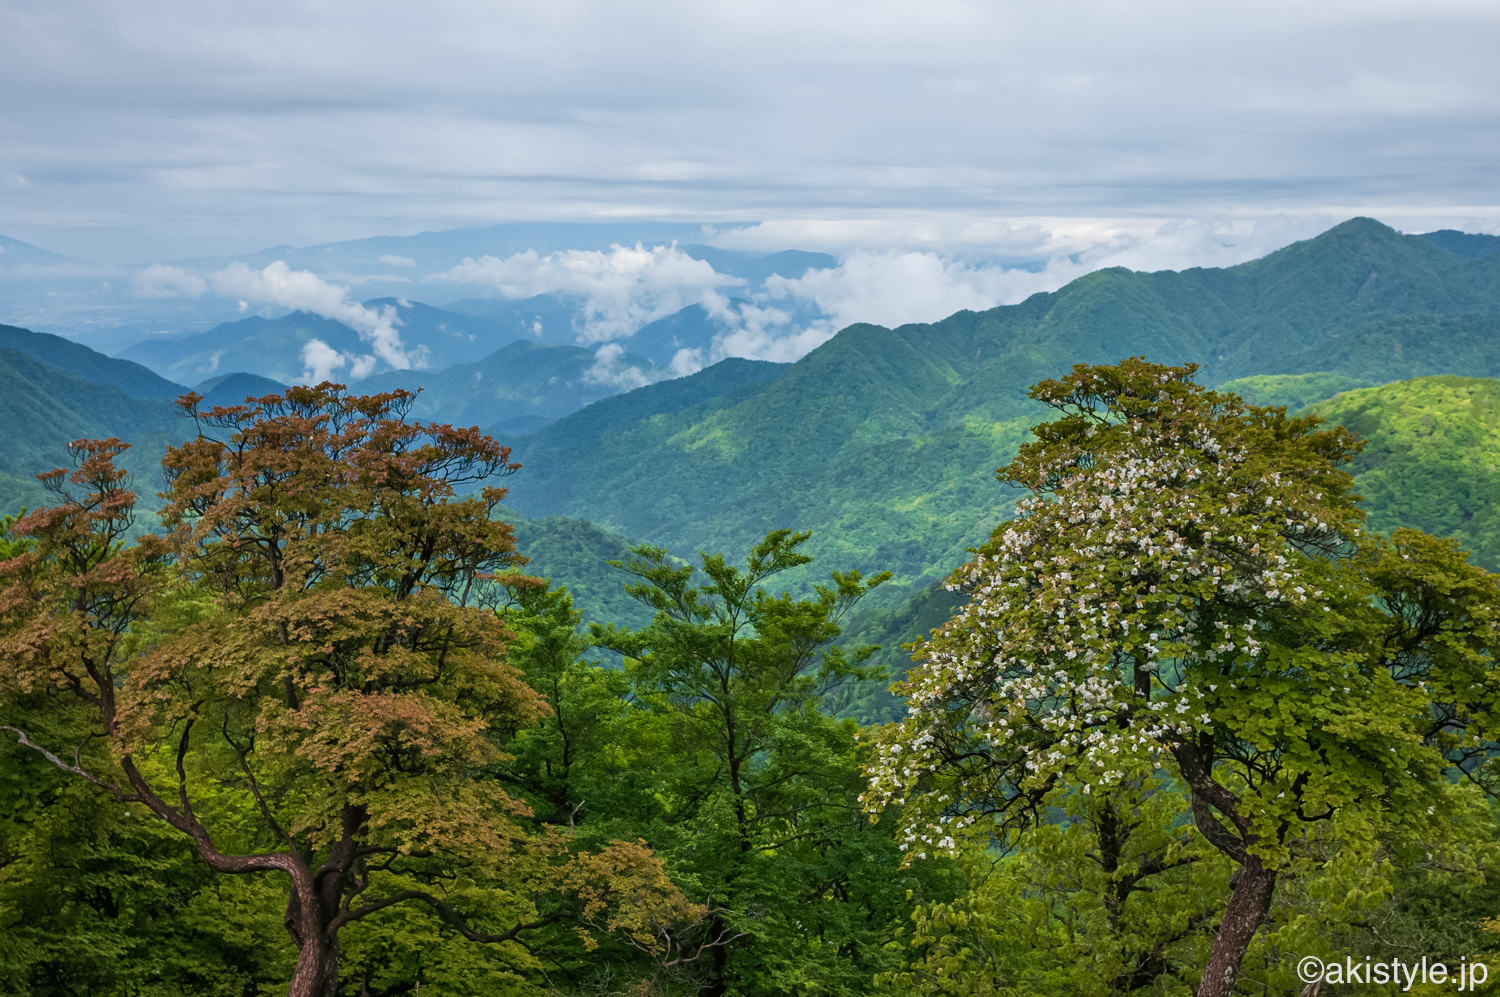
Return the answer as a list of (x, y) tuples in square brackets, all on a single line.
[(299, 290), (891, 285), (303, 290), (611, 369), (620, 289)]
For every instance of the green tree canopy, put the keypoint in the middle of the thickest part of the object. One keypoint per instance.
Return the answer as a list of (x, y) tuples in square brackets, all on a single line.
[(296, 677), (1187, 586), (754, 802)]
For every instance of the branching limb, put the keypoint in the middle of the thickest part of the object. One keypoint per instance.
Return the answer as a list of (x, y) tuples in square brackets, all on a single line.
[(74, 769), (448, 915)]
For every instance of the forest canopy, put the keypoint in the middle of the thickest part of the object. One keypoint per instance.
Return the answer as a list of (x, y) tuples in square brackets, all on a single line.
[(1191, 716)]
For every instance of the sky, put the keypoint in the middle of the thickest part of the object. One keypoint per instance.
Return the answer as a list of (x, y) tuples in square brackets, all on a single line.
[(1152, 134)]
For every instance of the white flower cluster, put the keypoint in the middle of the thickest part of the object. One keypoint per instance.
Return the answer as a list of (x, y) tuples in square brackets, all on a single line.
[(1100, 622)]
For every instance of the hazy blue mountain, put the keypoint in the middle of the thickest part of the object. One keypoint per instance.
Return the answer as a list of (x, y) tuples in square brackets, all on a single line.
[(15, 254), (272, 347), (267, 347), (692, 328), (449, 337), (400, 256), (541, 319), (515, 390), (88, 365), (755, 268), (234, 388), (1467, 244)]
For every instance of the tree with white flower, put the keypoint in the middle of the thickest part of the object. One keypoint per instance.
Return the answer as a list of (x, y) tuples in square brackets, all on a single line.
[(1187, 586)]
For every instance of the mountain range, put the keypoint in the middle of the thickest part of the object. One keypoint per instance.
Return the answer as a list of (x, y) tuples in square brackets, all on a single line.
[(883, 442)]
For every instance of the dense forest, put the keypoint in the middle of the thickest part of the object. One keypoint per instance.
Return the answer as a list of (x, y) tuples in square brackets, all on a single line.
[(322, 693)]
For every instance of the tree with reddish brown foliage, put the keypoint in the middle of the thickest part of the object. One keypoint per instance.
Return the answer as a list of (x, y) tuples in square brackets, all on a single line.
[(299, 675)]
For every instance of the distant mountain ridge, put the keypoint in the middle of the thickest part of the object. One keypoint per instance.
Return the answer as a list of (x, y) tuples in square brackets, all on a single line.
[(517, 389), (1475, 247), (883, 441), (80, 361), (44, 408)]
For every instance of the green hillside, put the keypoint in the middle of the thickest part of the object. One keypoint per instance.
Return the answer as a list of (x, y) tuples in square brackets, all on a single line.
[(883, 441), (42, 409), (82, 362), (1432, 460), (575, 554)]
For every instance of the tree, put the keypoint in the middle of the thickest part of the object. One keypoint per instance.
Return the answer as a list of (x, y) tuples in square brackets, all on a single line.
[(754, 797), (296, 676), (1187, 586)]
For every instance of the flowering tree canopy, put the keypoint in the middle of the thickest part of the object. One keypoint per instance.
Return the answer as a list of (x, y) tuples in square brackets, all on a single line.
[(1186, 588)]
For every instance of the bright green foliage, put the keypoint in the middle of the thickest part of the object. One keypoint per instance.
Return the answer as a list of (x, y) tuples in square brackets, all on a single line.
[(1291, 391), (1110, 896), (1117, 894), (1188, 587), (754, 805), (105, 901), (1432, 457)]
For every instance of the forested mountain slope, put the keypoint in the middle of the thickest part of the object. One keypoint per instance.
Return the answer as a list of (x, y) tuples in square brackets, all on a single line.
[(1432, 460), (42, 409), (82, 362), (516, 389), (883, 441)]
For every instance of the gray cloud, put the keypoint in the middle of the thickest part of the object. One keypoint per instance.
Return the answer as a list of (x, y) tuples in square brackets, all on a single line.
[(160, 129)]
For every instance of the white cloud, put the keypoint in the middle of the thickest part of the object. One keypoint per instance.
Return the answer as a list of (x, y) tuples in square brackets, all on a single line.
[(895, 288), (620, 289), (361, 367), (300, 290), (161, 281), (392, 260), (766, 333), (685, 361), (611, 369), (304, 290), (319, 361)]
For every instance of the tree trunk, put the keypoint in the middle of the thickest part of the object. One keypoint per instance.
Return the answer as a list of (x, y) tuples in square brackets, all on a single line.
[(307, 920), (1249, 903), (317, 973), (717, 984)]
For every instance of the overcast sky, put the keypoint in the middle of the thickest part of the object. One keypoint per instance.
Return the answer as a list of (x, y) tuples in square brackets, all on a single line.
[(156, 130)]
